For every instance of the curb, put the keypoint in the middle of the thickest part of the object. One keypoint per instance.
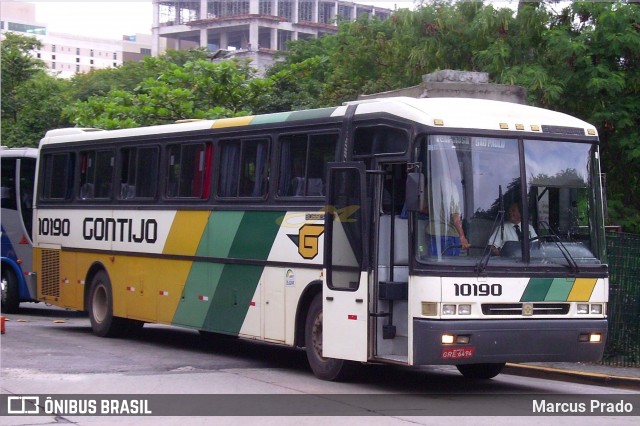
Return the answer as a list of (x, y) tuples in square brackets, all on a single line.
[(583, 377)]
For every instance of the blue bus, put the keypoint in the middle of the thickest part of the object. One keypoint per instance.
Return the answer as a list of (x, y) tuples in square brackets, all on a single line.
[(18, 279)]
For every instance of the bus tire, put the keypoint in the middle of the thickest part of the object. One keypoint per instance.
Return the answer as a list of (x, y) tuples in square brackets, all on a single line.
[(10, 291), (480, 371), (323, 368), (103, 323)]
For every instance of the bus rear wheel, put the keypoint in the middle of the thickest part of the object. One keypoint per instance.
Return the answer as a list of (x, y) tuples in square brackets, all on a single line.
[(324, 368), (480, 371), (10, 296)]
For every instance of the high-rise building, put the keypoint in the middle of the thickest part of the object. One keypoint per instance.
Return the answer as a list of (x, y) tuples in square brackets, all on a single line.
[(67, 54), (250, 28)]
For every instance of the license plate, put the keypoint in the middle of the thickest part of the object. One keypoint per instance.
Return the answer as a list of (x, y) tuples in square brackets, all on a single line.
[(457, 353)]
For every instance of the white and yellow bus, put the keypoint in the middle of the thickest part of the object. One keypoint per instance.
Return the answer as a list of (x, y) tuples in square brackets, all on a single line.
[(377, 231)]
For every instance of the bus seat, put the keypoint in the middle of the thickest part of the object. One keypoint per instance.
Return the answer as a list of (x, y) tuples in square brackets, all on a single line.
[(401, 249), (315, 187), (127, 191), (479, 233), (87, 191), (297, 186)]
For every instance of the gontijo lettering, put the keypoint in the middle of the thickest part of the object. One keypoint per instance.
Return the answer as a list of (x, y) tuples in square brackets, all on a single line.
[(121, 230)]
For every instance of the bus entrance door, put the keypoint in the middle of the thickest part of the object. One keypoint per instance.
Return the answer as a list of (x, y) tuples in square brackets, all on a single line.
[(390, 253), (345, 301)]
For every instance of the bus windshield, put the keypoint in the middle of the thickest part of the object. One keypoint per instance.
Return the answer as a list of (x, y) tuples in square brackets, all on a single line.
[(478, 207)]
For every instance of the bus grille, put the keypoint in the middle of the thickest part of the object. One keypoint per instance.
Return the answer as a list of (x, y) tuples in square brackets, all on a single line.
[(50, 275), (518, 308)]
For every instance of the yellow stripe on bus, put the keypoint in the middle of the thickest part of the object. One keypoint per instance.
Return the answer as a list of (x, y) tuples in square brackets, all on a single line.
[(232, 122), (186, 232), (582, 289)]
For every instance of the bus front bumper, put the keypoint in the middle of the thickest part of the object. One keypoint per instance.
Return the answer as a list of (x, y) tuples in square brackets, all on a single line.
[(497, 341)]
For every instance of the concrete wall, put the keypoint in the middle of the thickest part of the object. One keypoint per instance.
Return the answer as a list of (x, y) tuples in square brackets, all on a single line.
[(458, 84)]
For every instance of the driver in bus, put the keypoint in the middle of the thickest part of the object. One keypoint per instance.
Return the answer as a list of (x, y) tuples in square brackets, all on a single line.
[(512, 230)]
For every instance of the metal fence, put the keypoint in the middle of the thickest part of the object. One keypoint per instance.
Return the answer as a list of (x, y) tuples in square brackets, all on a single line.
[(623, 342)]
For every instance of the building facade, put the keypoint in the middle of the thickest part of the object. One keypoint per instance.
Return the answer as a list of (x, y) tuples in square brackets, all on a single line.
[(68, 54), (250, 28)]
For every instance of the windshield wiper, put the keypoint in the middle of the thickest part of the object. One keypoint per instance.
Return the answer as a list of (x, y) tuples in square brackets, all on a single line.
[(499, 220), (573, 265)]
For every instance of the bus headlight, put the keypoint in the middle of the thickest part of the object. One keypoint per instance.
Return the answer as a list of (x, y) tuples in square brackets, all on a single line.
[(464, 309), (596, 308), (448, 309), (593, 308)]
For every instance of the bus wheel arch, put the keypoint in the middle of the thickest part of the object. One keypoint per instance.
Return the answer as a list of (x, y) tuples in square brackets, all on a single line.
[(310, 291), (91, 273), (323, 368), (10, 290)]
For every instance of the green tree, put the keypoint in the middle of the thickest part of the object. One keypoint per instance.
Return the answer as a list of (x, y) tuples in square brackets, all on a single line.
[(32, 100), (195, 89), (596, 54), (18, 66), (300, 76), (99, 82), (581, 58)]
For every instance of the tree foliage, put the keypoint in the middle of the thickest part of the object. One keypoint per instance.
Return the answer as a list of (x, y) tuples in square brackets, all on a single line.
[(578, 57), (581, 58), (172, 91), (32, 100)]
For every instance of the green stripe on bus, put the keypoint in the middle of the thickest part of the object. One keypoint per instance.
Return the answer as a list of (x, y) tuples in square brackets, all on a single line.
[(238, 283), (204, 277), (536, 290), (311, 114), (560, 289), (231, 300), (255, 235), (278, 117), (220, 233), (198, 293)]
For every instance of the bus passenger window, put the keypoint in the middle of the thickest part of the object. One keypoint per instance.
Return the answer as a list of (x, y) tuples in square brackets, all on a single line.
[(8, 170), (27, 177), (303, 160), (376, 140), (244, 168), (57, 176), (188, 171), (138, 173), (96, 174)]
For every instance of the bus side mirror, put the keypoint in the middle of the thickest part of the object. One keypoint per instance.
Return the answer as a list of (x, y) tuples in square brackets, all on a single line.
[(415, 192)]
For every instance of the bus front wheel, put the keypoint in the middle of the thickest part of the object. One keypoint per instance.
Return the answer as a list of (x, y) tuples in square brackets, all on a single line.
[(10, 296), (103, 323), (324, 368), (100, 306), (480, 371)]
